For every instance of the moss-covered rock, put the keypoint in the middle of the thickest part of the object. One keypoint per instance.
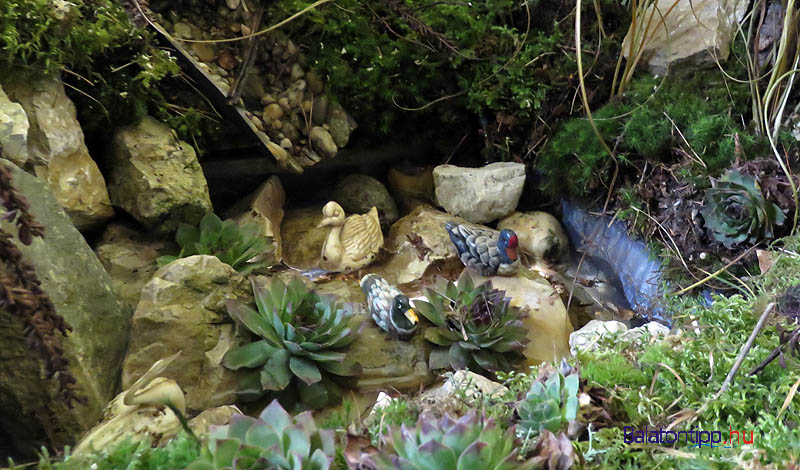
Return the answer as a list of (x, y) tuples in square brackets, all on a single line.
[(82, 293)]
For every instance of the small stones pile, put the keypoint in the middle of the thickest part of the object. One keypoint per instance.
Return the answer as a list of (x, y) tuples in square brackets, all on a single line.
[(282, 97)]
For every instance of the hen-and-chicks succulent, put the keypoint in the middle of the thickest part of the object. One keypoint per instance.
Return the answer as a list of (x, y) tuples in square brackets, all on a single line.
[(475, 326), (301, 337), (273, 441), (736, 211)]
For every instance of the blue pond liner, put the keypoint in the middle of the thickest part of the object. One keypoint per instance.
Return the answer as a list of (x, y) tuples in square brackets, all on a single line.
[(638, 270)]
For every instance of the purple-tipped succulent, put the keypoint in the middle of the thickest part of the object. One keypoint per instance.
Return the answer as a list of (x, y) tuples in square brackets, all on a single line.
[(273, 441), (471, 442)]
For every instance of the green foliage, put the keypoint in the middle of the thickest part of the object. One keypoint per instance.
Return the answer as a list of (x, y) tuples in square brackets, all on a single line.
[(475, 326), (398, 412), (612, 369), (177, 453), (273, 441), (471, 442), (720, 332), (646, 124), (551, 405), (736, 211), (486, 59), (301, 334), (233, 245)]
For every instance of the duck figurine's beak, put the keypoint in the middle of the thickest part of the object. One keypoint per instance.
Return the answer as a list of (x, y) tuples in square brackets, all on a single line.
[(412, 316)]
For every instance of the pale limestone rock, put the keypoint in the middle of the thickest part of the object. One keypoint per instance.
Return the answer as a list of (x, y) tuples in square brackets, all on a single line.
[(82, 293), (694, 32), (547, 322), (57, 151), (264, 208), (156, 178), (13, 130), (462, 389), (183, 309), (416, 242), (479, 195), (540, 235), (597, 331), (219, 416)]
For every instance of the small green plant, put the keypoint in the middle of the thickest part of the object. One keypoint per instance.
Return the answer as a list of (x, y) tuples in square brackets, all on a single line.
[(736, 212), (550, 406), (273, 441), (301, 334), (475, 327), (177, 453), (471, 442), (243, 248)]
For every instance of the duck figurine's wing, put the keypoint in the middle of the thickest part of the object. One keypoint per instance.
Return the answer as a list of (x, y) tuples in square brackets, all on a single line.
[(361, 235), (477, 248)]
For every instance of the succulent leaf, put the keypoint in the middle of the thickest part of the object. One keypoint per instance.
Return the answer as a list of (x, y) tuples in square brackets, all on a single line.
[(301, 339), (274, 441), (549, 406), (469, 443), (477, 325), (736, 211)]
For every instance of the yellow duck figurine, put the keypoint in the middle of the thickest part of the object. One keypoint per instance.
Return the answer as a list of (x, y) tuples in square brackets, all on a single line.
[(352, 242)]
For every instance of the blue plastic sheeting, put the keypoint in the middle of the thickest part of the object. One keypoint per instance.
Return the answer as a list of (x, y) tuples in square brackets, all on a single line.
[(639, 272)]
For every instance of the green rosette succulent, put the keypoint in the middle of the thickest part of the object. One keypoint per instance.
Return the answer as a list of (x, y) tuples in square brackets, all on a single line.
[(242, 248), (550, 406), (273, 441), (735, 211), (302, 334), (470, 443), (475, 327)]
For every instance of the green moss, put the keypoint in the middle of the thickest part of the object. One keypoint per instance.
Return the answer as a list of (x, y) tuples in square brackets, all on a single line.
[(652, 118), (612, 369)]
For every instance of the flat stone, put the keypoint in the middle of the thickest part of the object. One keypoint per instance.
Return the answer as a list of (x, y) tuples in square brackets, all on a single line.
[(479, 195), (265, 209), (322, 141), (540, 235)]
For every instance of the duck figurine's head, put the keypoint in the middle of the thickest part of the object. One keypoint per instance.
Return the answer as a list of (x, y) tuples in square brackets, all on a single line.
[(507, 244), (403, 318), (333, 214)]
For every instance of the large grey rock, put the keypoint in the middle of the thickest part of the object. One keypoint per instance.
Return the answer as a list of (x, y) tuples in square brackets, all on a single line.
[(183, 309), (81, 292), (156, 178), (357, 194), (693, 33), (13, 130), (57, 152), (479, 195), (130, 259)]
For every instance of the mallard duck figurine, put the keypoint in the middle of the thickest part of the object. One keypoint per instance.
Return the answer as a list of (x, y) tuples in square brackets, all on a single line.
[(389, 307), (485, 251), (352, 242)]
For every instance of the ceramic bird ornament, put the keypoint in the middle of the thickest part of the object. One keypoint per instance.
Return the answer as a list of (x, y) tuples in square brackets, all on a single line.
[(485, 251), (389, 307), (352, 242)]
